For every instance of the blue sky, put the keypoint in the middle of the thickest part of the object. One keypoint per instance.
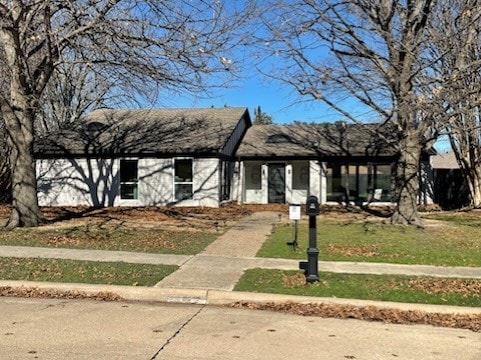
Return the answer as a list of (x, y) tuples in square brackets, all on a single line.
[(276, 100)]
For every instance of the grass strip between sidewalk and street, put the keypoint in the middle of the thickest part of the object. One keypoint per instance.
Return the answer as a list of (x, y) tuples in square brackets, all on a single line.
[(446, 241), (90, 272), (396, 288)]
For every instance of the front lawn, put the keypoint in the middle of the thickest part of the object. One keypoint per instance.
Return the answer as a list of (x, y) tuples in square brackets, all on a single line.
[(72, 271), (123, 238), (167, 230), (447, 240), (408, 289)]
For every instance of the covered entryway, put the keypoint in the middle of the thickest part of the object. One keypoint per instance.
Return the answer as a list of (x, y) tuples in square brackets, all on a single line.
[(276, 182)]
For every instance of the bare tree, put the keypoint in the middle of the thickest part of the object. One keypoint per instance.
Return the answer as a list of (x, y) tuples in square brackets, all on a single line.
[(143, 45), (368, 53), (457, 43), (4, 167), (73, 91)]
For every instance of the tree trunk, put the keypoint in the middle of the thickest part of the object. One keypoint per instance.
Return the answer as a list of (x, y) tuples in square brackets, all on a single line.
[(475, 187), (25, 210), (18, 111), (407, 184)]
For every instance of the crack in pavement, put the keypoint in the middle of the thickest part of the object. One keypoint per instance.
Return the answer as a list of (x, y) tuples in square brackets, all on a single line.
[(155, 356)]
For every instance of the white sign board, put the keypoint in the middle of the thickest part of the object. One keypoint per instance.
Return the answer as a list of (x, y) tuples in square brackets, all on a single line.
[(294, 212)]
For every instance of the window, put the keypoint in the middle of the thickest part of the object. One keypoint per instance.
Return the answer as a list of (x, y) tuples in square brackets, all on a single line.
[(300, 175), (253, 177), (129, 179), (361, 182), (183, 179)]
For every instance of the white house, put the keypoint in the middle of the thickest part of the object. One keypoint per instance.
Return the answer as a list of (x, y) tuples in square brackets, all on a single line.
[(142, 158), (201, 157)]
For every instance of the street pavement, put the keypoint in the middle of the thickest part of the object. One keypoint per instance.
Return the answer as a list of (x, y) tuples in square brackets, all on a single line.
[(84, 329)]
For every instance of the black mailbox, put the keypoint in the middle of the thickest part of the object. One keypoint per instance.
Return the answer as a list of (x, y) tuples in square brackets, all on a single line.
[(312, 206)]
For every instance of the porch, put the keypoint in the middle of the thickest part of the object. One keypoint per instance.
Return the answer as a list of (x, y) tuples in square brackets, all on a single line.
[(292, 181)]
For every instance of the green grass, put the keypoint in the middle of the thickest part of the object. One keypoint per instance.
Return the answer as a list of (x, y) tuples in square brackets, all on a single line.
[(33, 269), (452, 242), (422, 290), (111, 238)]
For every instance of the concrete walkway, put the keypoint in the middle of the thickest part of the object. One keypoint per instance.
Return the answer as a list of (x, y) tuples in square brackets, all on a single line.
[(222, 263)]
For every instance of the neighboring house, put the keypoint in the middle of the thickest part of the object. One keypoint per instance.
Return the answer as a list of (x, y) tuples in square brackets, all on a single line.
[(142, 158), (337, 162), (202, 157), (450, 188)]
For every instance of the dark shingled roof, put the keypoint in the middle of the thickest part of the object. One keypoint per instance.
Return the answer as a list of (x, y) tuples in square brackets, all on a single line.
[(311, 140), (145, 132)]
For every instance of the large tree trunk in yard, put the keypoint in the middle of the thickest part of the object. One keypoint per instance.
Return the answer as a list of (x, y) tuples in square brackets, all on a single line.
[(407, 184), (474, 185), (25, 210), (18, 111)]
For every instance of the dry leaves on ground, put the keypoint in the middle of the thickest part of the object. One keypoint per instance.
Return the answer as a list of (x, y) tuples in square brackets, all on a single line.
[(464, 287), (369, 313), (351, 250), (33, 292)]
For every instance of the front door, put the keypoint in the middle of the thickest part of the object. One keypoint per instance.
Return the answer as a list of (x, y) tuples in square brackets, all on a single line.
[(276, 180)]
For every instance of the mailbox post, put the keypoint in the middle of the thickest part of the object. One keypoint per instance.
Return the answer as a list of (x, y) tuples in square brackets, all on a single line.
[(312, 210)]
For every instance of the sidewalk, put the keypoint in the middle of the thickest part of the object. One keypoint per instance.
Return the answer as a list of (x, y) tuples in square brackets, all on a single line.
[(218, 268)]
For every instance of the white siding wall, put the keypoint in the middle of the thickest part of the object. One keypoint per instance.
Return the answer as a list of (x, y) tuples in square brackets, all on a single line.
[(300, 182), (71, 182), (206, 185), (155, 182), (95, 182)]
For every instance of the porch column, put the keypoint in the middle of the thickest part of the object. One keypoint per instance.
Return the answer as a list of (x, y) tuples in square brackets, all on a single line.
[(237, 189), (265, 183), (315, 180), (323, 174), (289, 175)]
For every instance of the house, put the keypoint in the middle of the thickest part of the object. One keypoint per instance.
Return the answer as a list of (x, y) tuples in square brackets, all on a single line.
[(202, 157), (141, 158), (337, 162), (450, 188)]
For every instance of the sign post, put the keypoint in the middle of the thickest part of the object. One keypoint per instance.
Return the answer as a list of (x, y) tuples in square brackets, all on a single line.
[(294, 214)]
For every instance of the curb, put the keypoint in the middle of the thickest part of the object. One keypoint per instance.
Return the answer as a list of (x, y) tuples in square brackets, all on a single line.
[(222, 298)]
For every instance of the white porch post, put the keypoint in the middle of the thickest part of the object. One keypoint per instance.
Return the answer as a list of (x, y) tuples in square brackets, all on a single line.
[(323, 174), (236, 188), (289, 174), (265, 185), (242, 184), (315, 179)]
